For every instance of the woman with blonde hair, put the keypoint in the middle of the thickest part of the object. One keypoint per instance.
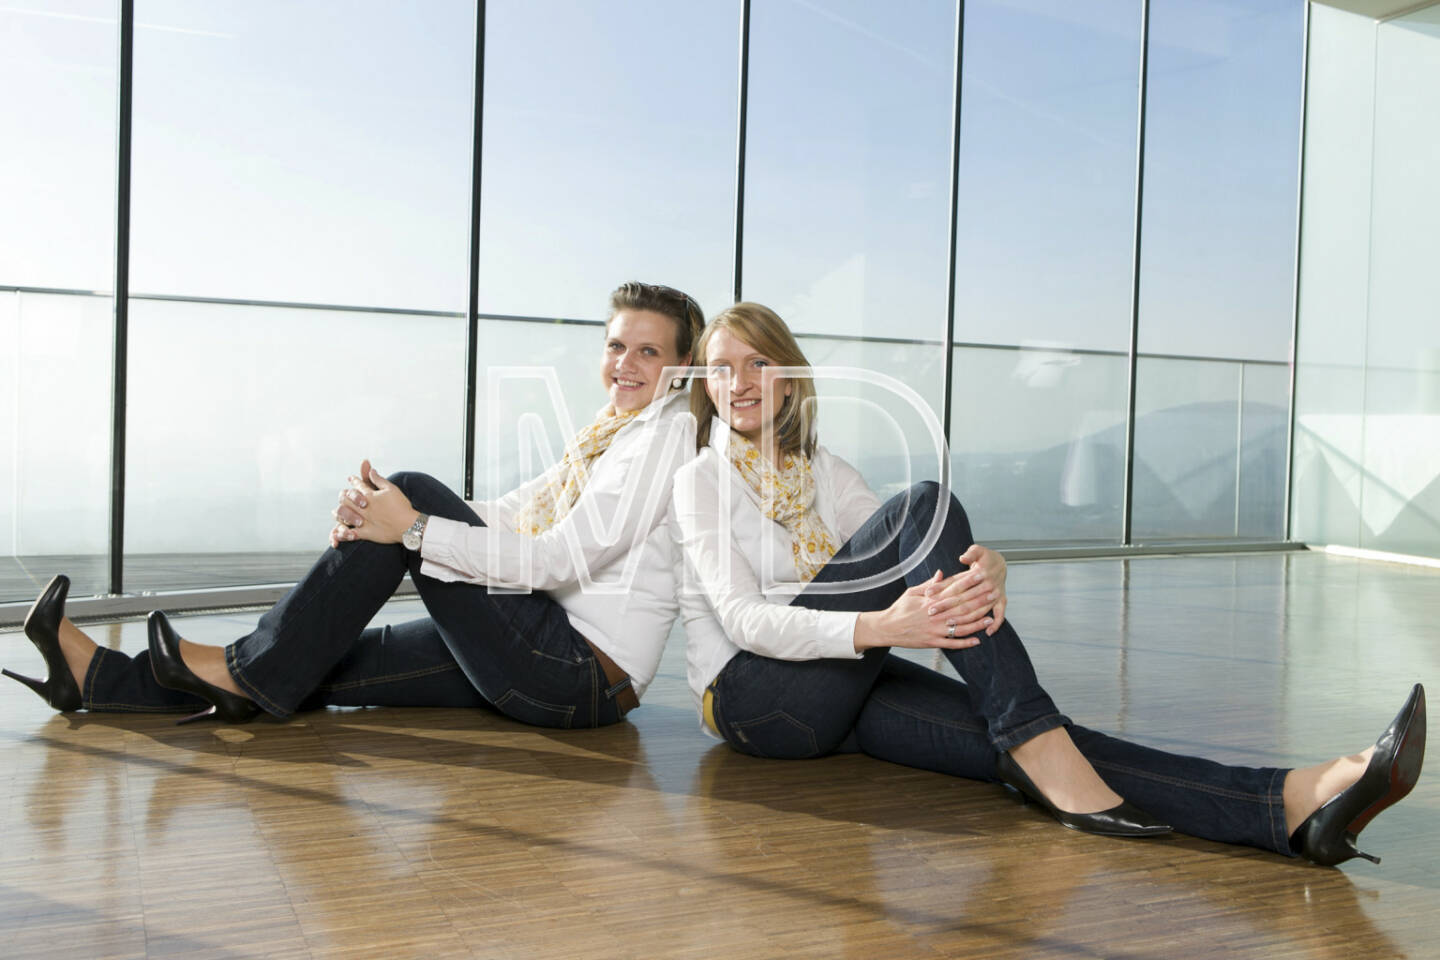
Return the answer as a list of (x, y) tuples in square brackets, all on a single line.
[(563, 654), (787, 661)]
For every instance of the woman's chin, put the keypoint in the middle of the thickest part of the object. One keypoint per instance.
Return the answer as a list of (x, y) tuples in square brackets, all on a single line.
[(626, 400)]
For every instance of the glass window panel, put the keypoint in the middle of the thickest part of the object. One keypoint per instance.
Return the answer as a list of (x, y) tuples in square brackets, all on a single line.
[(848, 165), (1044, 262), (1222, 140), (609, 152), (54, 442), (1260, 506), (1209, 449), (57, 168), (239, 445), (1401, 495), (1038, 443), (303, 152), (1047, 173), (1217, 256), (1334, 278), (57, 210)]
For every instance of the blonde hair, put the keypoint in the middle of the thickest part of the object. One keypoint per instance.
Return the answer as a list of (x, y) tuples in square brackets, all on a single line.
[(763, 331)]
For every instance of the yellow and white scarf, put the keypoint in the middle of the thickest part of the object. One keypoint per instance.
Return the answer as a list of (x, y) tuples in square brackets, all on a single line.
[(567, 479), (786, 496)]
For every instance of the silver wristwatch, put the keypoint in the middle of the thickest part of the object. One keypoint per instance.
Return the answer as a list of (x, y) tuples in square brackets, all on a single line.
[(412, 537)]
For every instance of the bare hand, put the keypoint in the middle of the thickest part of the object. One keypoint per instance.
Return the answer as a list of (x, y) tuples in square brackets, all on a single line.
[(371, 508), (981, 589), (910, 622)]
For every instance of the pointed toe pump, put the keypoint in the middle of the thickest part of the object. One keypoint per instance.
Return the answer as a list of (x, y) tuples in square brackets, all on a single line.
[(1328, 835), (1122, 820), (170, 671), (42, 626)]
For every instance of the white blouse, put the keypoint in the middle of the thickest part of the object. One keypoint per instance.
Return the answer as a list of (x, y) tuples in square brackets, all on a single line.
[(610, 562), (739, 572)]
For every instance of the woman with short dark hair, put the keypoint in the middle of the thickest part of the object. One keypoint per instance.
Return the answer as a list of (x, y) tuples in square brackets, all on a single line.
[(585, 540)]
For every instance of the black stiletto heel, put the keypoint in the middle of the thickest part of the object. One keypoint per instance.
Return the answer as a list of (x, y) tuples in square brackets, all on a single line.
[(42, 626), (1122, 820), (171, 671), (1327, 836)]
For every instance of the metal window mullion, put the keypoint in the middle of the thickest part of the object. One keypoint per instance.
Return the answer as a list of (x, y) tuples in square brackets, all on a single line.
[(949, 368), (472, 304), (120, 354), (1128, 502), (1287, 526), (743, 97)]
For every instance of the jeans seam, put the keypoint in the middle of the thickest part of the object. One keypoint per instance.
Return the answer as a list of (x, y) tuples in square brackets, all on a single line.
[(1181, 782), (1275, 799), (740, 725), (568, 709), (389, 677), (118, 707), (927, 717)]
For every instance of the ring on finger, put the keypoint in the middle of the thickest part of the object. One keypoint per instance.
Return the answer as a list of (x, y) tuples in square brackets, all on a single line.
[(950, 632)]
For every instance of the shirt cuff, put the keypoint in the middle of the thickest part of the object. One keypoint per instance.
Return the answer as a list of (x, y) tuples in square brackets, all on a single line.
[(442, 540), (836, 635)]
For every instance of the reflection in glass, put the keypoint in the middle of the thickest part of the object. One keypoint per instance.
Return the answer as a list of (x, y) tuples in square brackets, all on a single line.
[(1038, 443), (1210, 449)]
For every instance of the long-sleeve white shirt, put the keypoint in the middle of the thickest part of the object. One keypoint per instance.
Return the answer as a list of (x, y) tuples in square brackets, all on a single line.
[(739, 572), (610, 562)]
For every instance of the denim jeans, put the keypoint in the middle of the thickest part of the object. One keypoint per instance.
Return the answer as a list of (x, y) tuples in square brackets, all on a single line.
[(515, 652), (896, 710)]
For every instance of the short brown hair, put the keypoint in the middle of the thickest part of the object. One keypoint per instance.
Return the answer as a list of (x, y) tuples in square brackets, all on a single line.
[(763, 330), (666, 301)]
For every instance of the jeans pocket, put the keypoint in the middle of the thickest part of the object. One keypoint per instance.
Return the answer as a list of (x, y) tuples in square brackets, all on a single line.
[(517, 706), (776, 735)]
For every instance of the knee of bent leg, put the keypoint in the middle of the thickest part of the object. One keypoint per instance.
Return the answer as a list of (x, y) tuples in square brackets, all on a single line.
[(413, 483), (926, 497)]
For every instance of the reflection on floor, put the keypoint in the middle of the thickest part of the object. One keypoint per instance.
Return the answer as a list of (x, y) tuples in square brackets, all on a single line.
[(436, 833)]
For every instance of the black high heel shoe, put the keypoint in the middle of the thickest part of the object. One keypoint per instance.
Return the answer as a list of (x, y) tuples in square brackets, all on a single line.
[(170, 671), (1327, 836), (1122, 820), (42, 626)]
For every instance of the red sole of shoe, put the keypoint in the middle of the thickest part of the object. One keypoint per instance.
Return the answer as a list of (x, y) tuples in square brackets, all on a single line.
[(1404, 774)]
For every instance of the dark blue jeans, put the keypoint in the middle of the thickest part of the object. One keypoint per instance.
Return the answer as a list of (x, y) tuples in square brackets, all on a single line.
[(515, 652), (896, 710)]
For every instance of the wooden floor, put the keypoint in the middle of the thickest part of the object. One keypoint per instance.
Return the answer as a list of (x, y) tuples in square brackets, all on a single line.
[(437, 833)]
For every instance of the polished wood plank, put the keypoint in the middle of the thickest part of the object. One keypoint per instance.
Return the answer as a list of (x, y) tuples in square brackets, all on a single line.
[(447, 833)]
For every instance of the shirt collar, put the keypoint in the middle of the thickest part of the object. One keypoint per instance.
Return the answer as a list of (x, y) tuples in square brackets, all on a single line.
[(655, 407)]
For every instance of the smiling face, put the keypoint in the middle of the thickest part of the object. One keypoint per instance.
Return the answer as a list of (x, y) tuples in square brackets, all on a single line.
[(756, 394), (639, 344)]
